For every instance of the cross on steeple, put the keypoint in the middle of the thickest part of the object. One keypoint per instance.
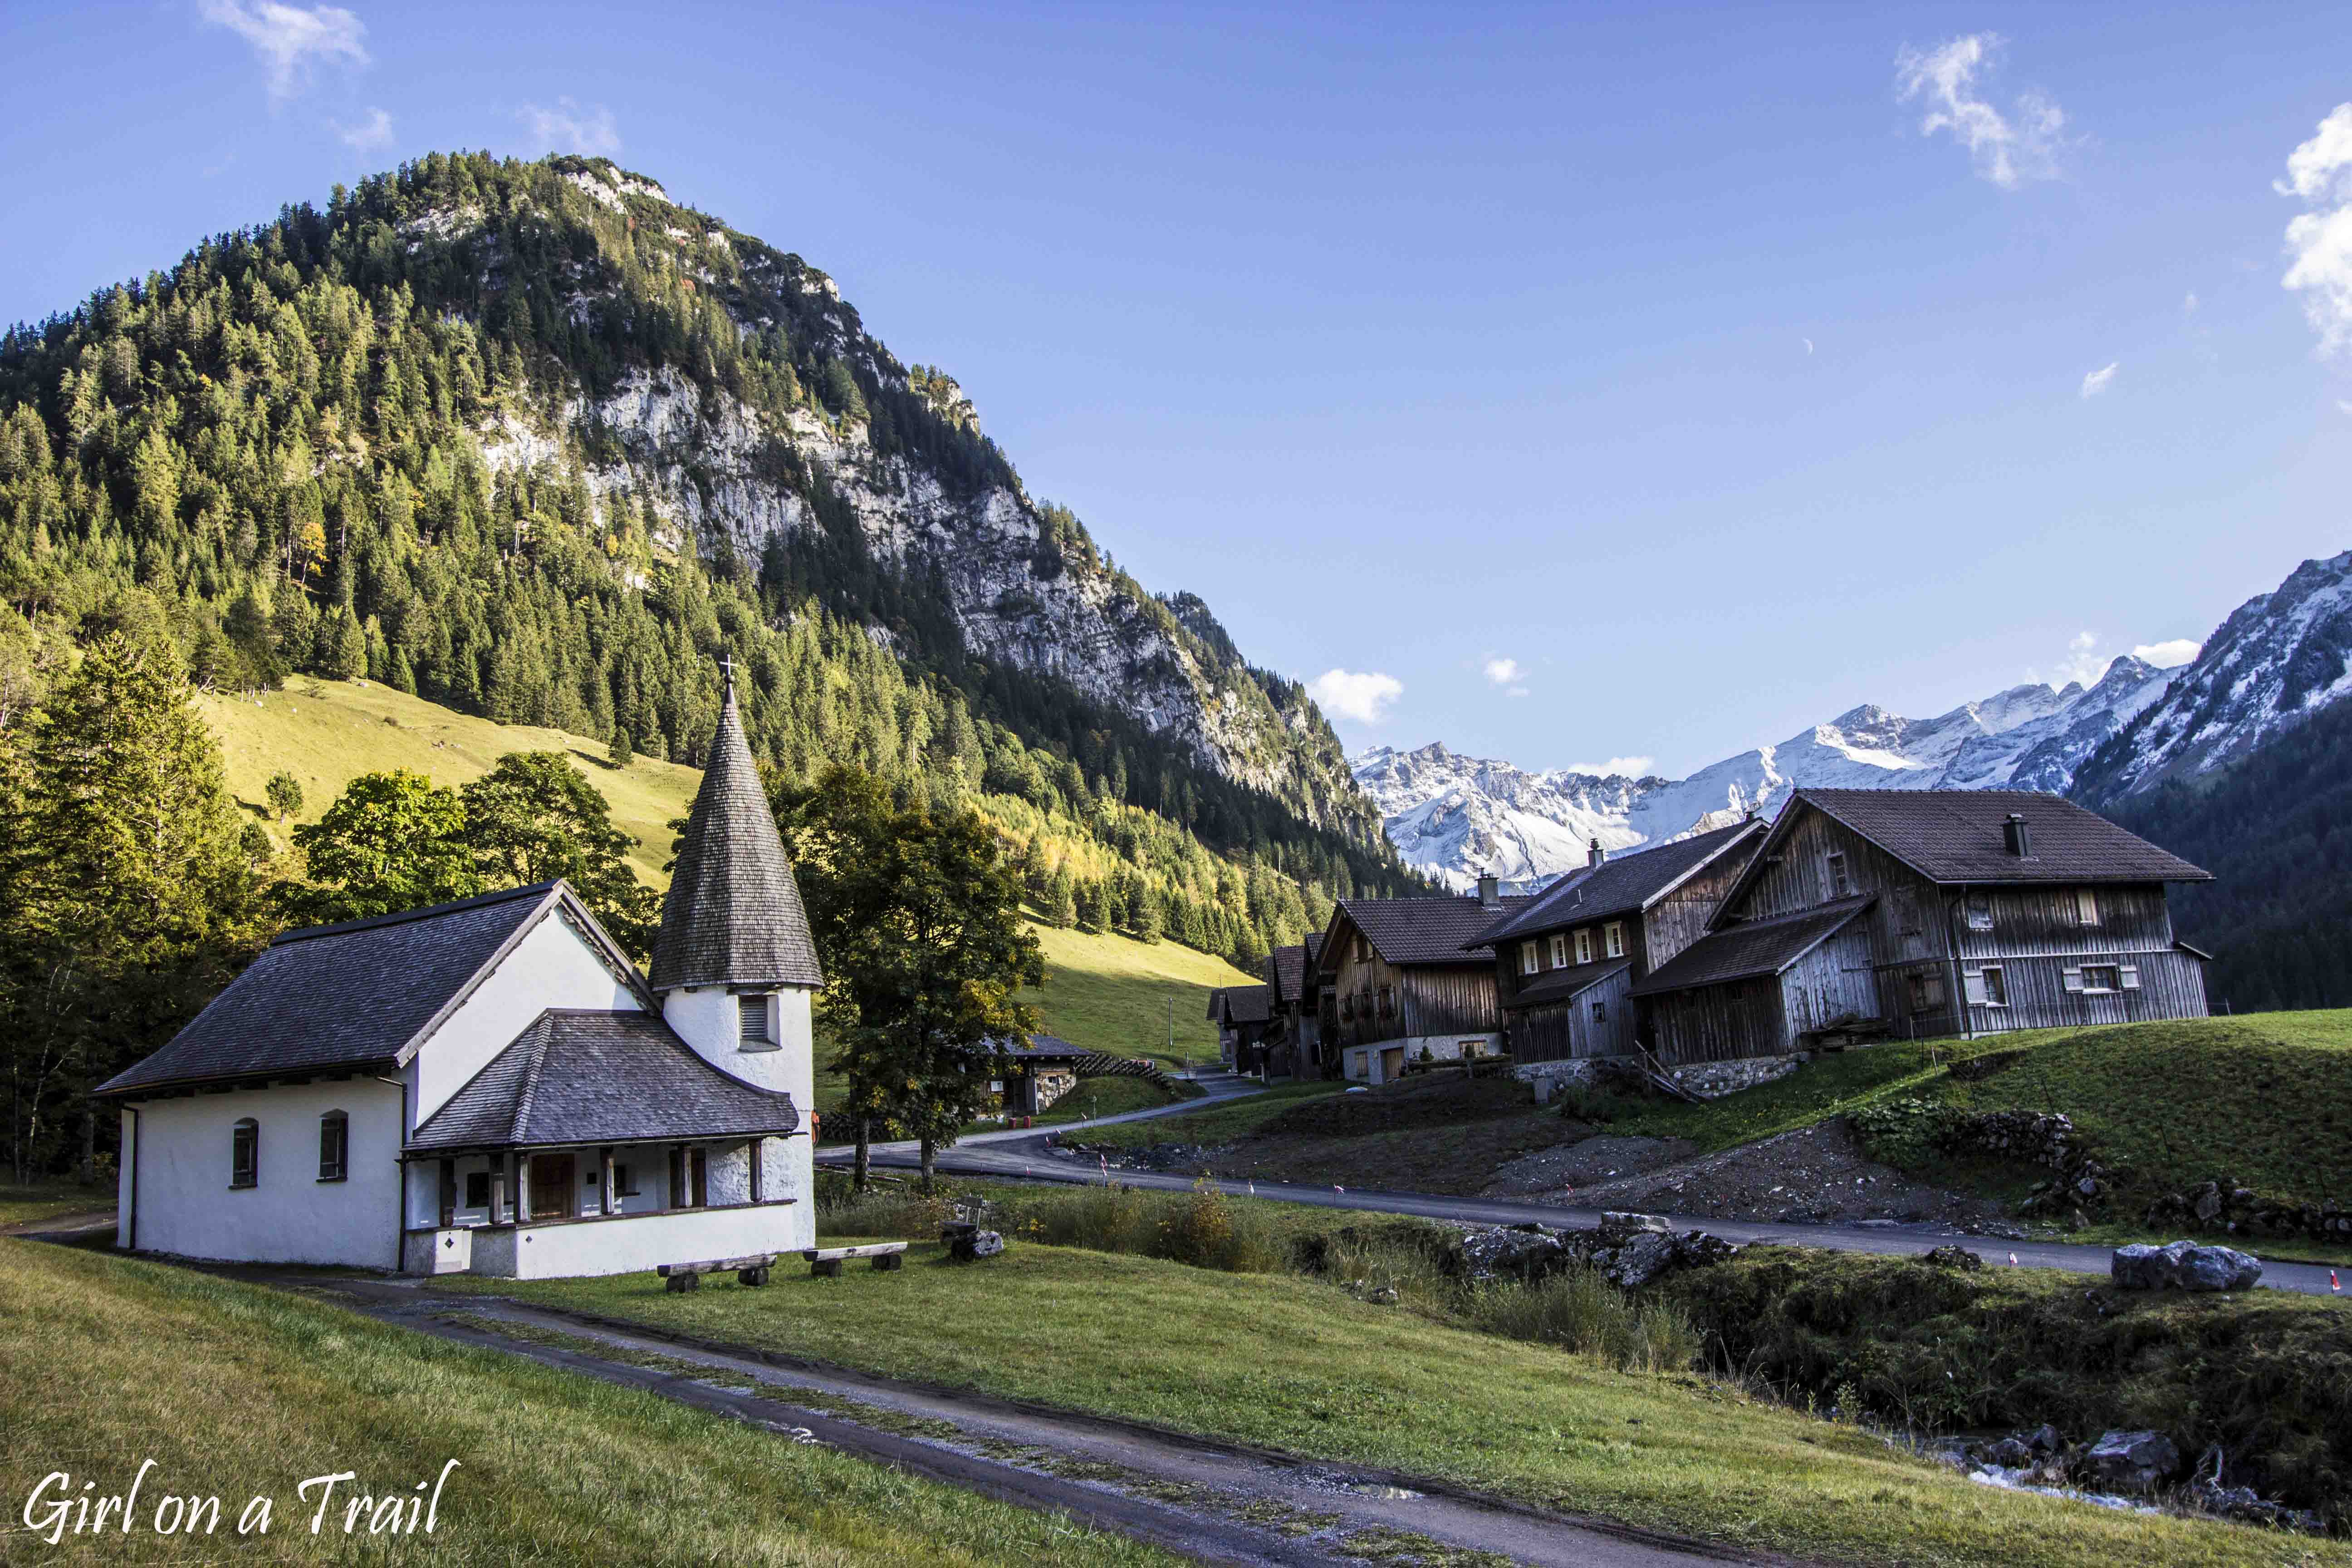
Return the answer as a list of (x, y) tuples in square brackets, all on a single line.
[(727, 663)]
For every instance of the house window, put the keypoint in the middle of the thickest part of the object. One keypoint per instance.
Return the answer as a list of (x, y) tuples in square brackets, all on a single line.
[(1839, 886), (1926, 990), (2102, 977), (1584, 946), (1388, 1001), (753, 1011), (1600, 1012), (1979, 911), (1529, 962), (1996, 988), (334, 1146), (477, 1189), (1558, 952), (244, 1153), (1613, 936), (624, 1181), (2087, 907)]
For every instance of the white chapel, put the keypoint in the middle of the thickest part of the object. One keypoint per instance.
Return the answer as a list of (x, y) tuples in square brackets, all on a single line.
[(491, 1087)]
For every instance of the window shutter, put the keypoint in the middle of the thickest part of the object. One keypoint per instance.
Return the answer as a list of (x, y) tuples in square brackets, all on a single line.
[(1972, 981), (2131, 976), (2073, 980)]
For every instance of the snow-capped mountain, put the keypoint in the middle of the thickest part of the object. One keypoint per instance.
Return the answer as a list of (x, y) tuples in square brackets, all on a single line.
[(2280, 658), (1457, 818)]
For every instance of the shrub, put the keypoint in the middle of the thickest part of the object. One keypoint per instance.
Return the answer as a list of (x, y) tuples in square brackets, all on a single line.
[(897, 1214), (1906, 1133), (1579, 1311)]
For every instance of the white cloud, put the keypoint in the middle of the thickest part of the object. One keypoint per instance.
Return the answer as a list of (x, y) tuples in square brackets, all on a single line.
[(2346, 407), (1616, 767), (2081, 665), (2168, 655), (1503, 671), (1364, 697), (370, 135), (569, 128), (289, 38), (2320, 239), (2189, 305), (2007, 149), (2097, 381)]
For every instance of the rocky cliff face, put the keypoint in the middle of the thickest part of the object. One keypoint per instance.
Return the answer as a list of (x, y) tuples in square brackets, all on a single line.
[(1022, 583), (1455, 818), (2281, 657)]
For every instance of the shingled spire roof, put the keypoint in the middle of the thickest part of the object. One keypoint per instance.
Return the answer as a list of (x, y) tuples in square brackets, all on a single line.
[(733, 915)]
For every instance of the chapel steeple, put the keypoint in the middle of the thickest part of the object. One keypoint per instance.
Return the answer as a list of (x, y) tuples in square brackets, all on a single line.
[(732, 917)]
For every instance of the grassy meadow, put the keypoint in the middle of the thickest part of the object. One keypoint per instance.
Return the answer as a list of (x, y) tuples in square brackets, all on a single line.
[(238, 1391), (1102, 990), (1297, 1364)]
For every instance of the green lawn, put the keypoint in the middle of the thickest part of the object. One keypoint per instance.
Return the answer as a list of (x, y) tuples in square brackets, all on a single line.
[(1107, 1097), (42, 1200), (2263, 1098), (1277, 1359), (239, 1392)]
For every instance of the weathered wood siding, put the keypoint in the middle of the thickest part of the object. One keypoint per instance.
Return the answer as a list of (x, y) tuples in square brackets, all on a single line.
[(1680, 919), (1834, 981), (1560, 1030), (1421, 999), (1717, 1023)]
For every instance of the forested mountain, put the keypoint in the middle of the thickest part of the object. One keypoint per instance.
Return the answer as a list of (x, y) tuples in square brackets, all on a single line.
[(533, 441)]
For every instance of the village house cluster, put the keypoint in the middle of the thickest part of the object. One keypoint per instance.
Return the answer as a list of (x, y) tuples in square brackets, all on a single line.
[(1854, 915)]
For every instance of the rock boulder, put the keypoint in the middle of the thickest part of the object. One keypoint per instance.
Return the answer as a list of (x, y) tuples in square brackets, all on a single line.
[(2183, 1266), (2132, 1462)]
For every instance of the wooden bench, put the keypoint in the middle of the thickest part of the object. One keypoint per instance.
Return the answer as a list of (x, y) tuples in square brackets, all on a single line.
[(825, 1262), (751, 1270)]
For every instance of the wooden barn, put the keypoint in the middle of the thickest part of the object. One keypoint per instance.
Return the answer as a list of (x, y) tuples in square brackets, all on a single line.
[(1242, 1015), (1565, 965), (1913, 913), (1295, 1038), (1403, 979)]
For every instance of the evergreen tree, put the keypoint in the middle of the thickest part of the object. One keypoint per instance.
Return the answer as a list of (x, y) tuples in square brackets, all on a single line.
[(1062, 899), (284, 793), (534, 817), (133, 895)]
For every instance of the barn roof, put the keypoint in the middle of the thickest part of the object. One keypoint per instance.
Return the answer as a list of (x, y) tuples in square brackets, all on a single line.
[(1241, 1005), (592, 1076), (1620, 885), (1043, 1048), (1561, 984), (732, 915), (1428, 930), (1955, 836), (360, 992), (1286, 972), (1753, 948)]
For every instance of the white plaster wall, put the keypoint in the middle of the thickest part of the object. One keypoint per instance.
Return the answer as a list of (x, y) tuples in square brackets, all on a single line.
[(705, 1018), (185, 1205), (553, 966), (629, 1245), (1361, 1063)]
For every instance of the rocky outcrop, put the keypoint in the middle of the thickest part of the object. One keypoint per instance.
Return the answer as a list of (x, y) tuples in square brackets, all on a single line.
[(2131, 1462), (1629, 1250), (2221, 1204), (2184, 1265)]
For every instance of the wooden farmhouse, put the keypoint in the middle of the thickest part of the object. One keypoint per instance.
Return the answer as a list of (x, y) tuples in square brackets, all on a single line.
[(1566, 965), (1037, 1072), (1924, 912), (1295, 1039), (1243, 1015), (1403, 979)]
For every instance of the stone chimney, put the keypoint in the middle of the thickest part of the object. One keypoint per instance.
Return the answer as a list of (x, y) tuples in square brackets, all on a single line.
[(1595, 855), (2017, 838), (1490, 894)]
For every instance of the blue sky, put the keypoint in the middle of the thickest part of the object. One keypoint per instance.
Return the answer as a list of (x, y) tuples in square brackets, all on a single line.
[(1584, 383)]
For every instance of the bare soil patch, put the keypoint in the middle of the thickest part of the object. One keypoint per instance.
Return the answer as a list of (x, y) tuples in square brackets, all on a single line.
[(1816, 1176)]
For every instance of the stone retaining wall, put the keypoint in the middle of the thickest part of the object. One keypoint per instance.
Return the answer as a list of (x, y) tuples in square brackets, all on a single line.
[(1708, 1080)]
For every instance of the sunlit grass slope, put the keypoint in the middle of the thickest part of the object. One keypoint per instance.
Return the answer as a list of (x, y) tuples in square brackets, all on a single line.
[(1102, 992)]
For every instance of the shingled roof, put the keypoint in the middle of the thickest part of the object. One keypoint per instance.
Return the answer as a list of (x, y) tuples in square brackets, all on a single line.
[(733, 914), (1286, 971), (1620, 885), (1241, 1005), (360, 992), (1753, 948), (583, 1077), (1429, 931), (1560, 985), (1955, 836)]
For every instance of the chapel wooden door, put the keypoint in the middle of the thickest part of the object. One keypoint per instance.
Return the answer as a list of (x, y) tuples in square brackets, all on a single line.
[(552, 1196), (698, 1161)]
